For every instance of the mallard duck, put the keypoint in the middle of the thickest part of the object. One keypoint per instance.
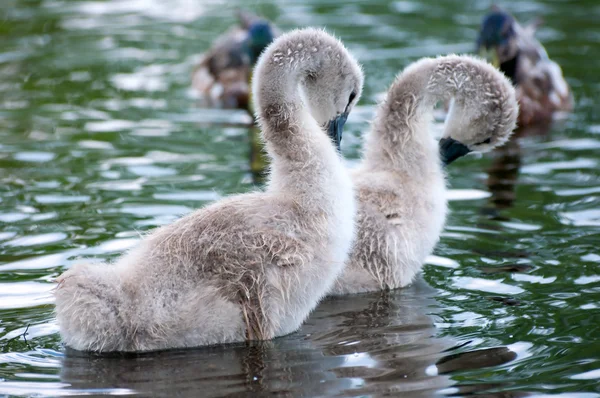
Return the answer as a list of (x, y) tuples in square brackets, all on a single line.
[(251, 266), (223, 73), (541, 87), (400, 180)]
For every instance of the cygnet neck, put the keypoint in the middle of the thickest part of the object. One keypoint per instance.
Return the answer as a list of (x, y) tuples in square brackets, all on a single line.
[(303, 156), (400, 137)]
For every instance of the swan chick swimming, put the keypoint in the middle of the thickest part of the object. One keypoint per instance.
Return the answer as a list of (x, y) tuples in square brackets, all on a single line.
[(400, 182), (251, 266)]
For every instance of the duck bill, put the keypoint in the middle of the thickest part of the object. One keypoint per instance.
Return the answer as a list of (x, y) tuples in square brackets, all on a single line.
[(491, 55), (451, 149), (335, 129)]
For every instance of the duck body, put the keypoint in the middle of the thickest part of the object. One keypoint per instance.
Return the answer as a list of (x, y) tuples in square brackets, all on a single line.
[(223, 74), (400, 182), (542, 90), (251, 266)]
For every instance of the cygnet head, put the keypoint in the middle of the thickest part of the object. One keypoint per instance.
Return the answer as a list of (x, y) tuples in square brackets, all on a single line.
[(333, 86), (329, 78), (482, 119)]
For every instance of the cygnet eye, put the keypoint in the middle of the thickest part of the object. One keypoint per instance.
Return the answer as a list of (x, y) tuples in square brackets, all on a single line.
[(350, 99), (484, 142), (352, 96)]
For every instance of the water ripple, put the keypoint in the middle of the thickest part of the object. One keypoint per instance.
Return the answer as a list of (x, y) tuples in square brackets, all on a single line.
[(102, 138)]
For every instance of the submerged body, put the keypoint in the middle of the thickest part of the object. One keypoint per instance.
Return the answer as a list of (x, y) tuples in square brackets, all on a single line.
[(249, 267), (400, 183), (540, 86)]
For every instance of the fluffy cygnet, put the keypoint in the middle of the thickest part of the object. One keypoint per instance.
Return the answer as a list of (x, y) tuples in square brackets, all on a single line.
[(250, 266), (400, 183)]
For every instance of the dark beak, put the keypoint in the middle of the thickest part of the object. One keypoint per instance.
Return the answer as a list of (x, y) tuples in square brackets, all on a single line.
[(450, 150), (335, 128)]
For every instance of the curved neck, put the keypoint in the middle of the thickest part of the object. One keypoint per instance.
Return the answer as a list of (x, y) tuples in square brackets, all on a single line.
[(396, 140), (303, 157), (400, 136)]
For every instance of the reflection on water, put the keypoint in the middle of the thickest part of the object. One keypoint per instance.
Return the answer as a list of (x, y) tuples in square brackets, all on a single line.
[(373, 345), (100, 140), (502, 177), (503, 173), (257, 155), (312, 361)]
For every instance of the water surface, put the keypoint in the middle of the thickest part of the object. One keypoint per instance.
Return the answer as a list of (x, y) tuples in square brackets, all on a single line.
[(101, 139)]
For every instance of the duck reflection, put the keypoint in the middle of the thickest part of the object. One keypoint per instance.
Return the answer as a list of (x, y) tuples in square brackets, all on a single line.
[(284, 367), (387, 341), (503, 174), (372, 344), (259, 160)]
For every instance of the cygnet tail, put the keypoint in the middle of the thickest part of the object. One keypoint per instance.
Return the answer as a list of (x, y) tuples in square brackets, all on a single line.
[(88, 304)]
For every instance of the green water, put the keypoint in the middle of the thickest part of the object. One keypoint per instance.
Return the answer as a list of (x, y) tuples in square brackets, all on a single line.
[(101, 139)]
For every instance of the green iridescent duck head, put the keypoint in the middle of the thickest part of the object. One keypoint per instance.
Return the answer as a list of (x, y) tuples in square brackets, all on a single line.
[(260, 35), (497, 41)]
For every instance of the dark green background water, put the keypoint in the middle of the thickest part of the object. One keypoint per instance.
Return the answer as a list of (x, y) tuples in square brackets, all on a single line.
[(101, 138)]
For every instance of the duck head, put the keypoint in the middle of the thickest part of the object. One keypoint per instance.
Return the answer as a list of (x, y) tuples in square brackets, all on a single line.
[(260, 35), (497, 41)]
